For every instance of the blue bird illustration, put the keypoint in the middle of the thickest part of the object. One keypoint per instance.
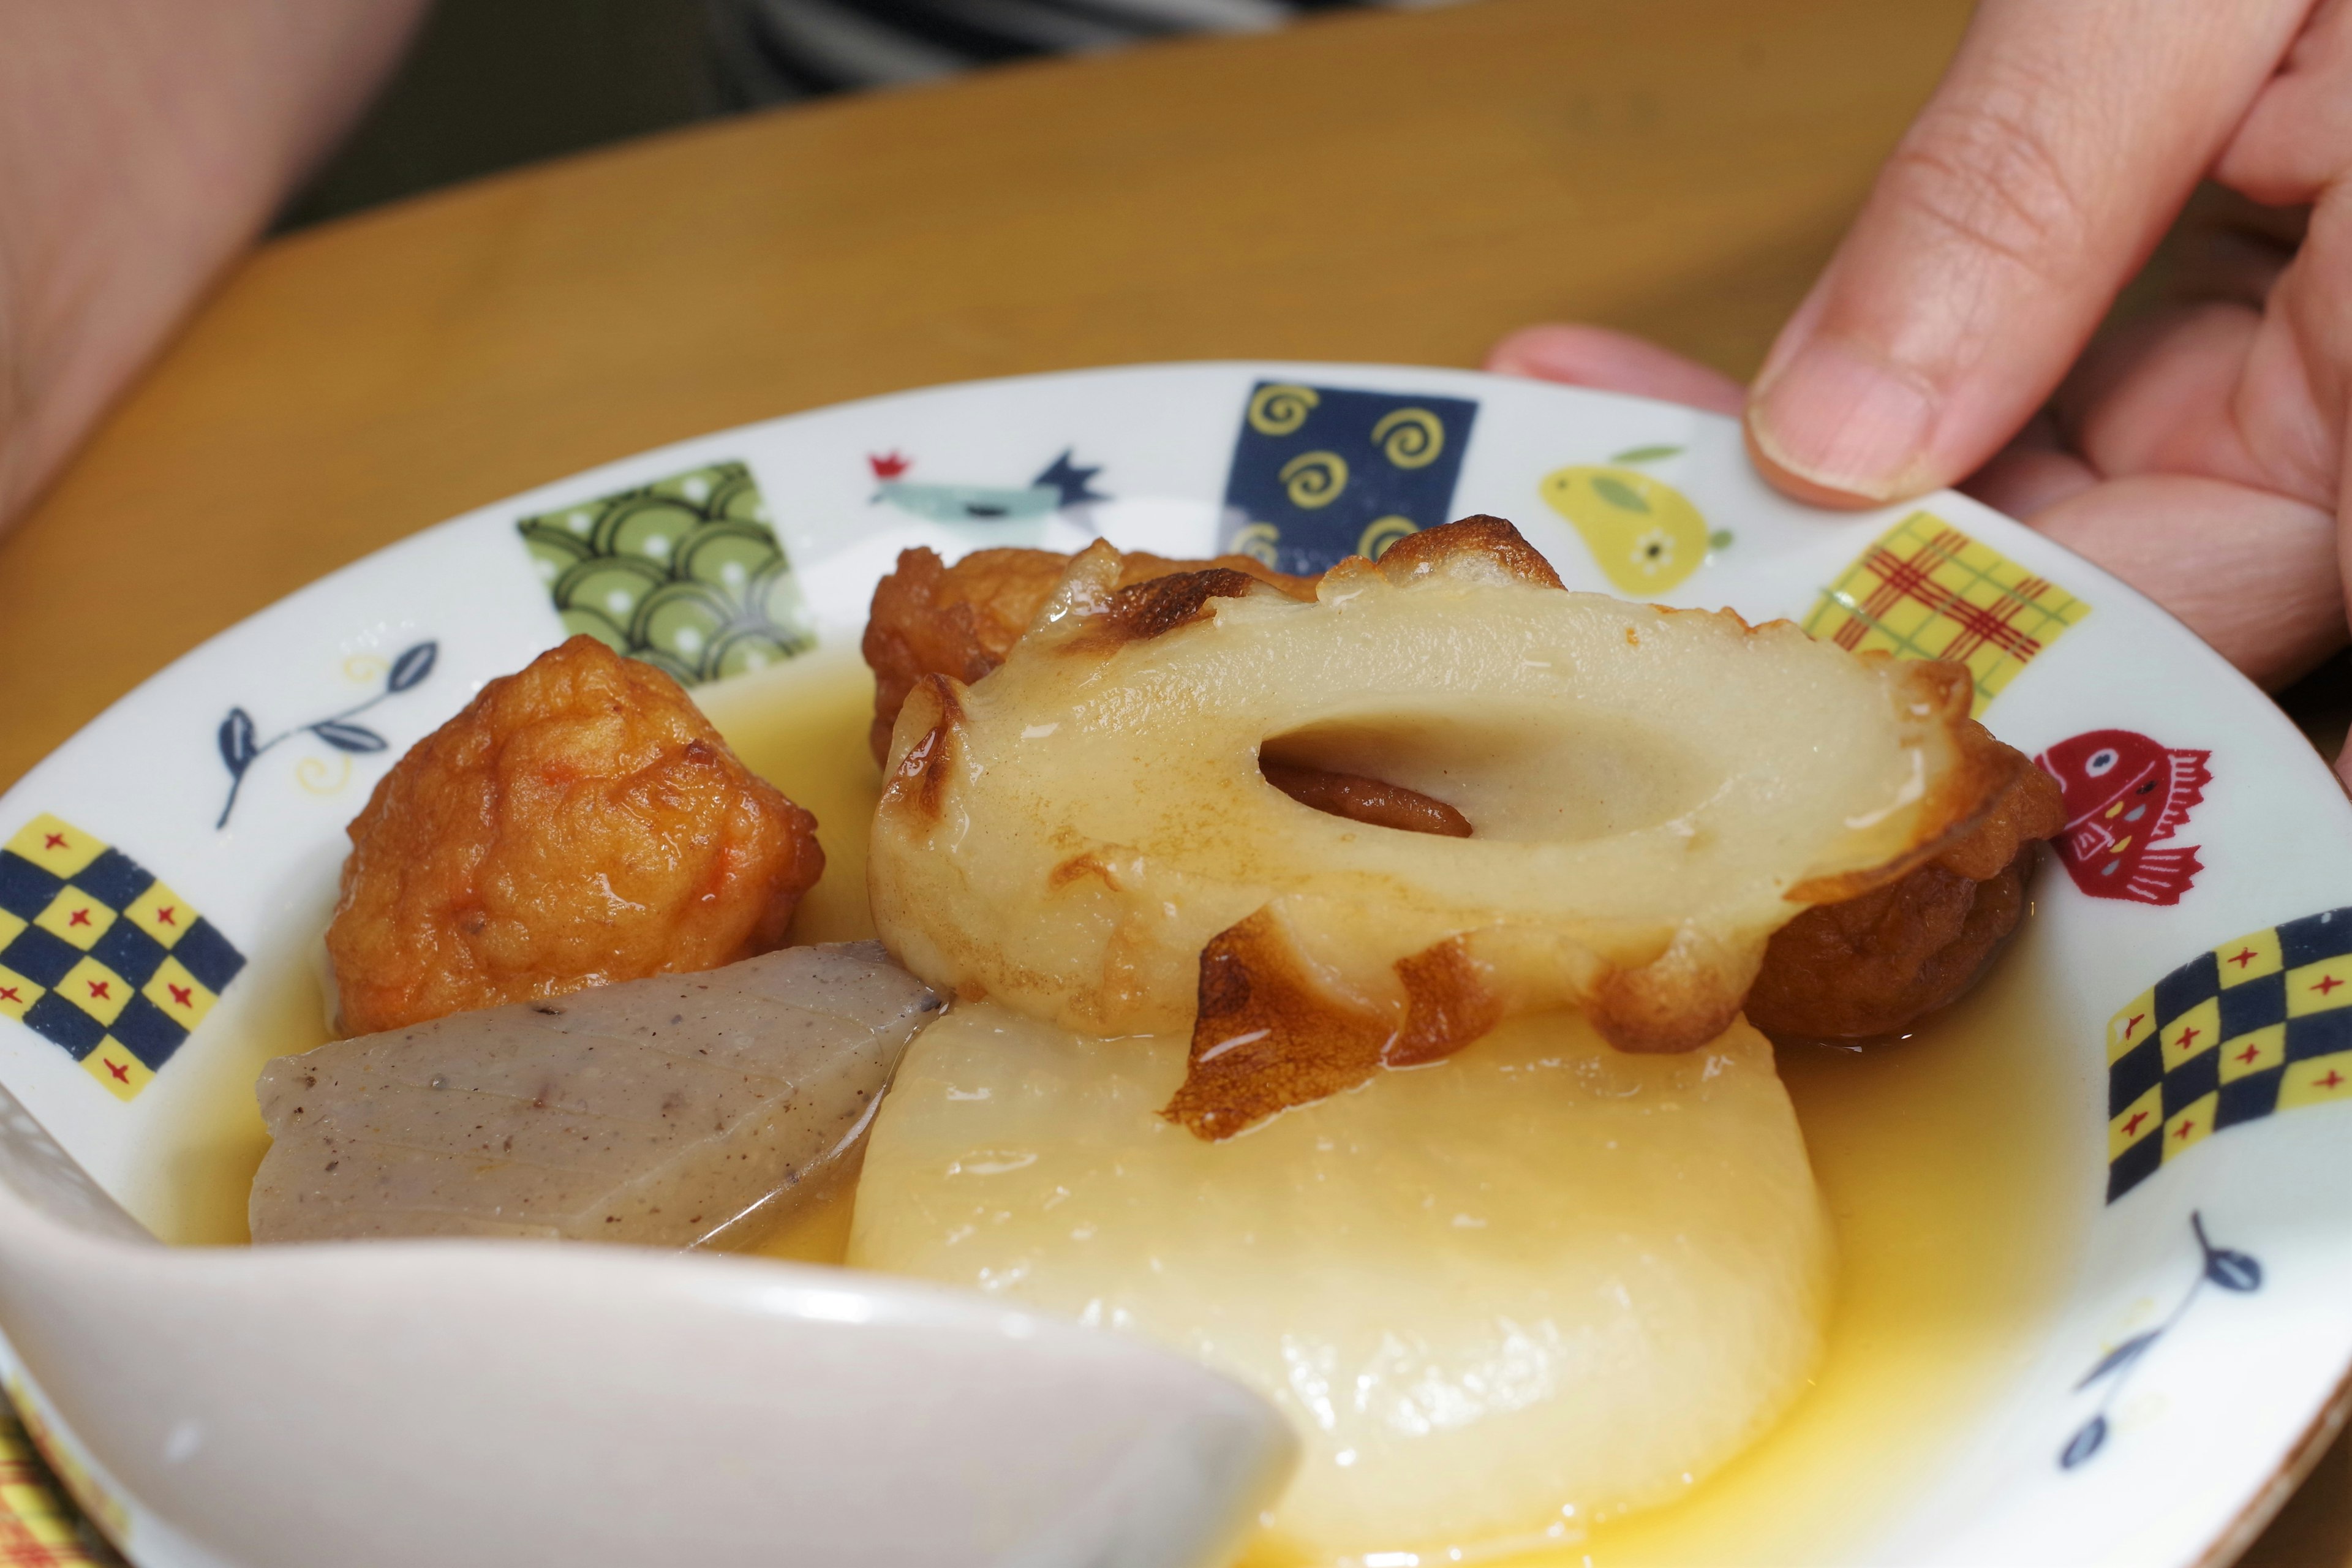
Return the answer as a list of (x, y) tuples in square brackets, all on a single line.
[(1062, 485)]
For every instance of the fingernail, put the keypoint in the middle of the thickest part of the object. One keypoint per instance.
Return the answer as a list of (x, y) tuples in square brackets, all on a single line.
[(1843, 422)]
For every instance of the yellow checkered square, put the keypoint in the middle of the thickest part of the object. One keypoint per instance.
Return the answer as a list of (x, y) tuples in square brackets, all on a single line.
[(2198, 1029), (2141, 1118), (132, 949), (2316, 1080), (16, 993), (181, 996), (2256, 1051), (160, 913), (1925, 590), (2190, 1126), (54, 846), (96, 990), (2320, 987), (2283, 995), (73, 916), (118, 1072), (2131, 1025), (2248, 958)]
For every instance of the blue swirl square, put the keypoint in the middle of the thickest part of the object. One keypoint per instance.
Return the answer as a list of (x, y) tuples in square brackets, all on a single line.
[(1322, 473)]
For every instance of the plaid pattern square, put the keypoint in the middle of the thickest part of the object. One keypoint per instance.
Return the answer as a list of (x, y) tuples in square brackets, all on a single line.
[(100, 958), (53, 1511), (2259, 1025), (1925, 590), (39, 1527)]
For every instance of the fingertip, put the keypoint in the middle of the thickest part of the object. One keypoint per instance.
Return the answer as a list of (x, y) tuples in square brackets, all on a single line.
[(1522, 352), (1835, 426), (1796, 486)]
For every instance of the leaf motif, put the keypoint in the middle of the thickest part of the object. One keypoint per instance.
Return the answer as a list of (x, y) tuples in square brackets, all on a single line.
[(238, 747), (2123, 1355), (2084, 1444), (2232, 1270), (1618, 493), (1645, 454), (411, 667), (348, 737)]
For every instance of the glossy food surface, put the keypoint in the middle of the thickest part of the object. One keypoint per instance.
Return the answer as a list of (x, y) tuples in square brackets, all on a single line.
[(579, 823), (667, 1112), (1535, 1284)]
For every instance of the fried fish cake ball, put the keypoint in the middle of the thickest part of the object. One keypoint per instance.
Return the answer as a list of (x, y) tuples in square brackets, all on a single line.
[(1877, 963), (930, 618), (579, 823)]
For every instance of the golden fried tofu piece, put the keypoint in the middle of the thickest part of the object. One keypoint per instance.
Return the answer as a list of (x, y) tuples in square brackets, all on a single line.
[(579, 823), (930, 618), (1879, 961)]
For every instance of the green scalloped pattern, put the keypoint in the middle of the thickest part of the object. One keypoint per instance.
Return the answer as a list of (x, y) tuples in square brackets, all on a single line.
[(686, 574)]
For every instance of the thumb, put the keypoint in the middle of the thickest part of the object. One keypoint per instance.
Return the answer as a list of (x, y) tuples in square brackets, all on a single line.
[(2060, 144)]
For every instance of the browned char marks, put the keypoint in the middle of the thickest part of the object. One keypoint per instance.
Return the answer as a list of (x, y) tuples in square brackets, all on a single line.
[(1482, 534), (1142, 611), (1447, 1004), (920, 782), (1267, 1036)]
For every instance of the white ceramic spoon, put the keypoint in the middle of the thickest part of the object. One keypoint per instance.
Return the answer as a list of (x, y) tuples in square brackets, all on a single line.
[(481, 1403)]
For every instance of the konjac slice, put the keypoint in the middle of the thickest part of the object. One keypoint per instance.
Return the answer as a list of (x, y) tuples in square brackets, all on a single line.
[(1535, 1284), (667, 1112)]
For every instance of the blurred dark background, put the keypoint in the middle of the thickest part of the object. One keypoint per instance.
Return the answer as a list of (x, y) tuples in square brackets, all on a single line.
[(490, 84)]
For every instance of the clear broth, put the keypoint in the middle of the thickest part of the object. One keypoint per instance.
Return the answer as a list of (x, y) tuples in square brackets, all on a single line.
[(1937, 1155)]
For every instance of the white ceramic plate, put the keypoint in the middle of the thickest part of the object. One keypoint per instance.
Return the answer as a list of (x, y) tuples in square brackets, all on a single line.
[(2077, 1328)]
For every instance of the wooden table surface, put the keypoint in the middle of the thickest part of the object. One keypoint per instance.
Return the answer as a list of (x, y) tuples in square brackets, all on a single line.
[(1399, 186)]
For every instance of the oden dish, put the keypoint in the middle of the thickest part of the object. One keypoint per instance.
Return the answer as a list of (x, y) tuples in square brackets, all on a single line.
[(1087, 836)]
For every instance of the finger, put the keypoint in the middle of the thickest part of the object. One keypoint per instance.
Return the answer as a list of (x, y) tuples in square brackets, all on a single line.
[(2218, 390), (2057, 149), (1615, 361), (2251, 572), (2297, 138), (2031, 474)]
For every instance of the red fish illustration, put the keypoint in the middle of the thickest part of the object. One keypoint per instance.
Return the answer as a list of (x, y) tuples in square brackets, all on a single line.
[(2124, 792)]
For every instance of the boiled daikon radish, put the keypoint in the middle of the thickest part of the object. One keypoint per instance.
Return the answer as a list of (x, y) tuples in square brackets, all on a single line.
[(1538, 1283)]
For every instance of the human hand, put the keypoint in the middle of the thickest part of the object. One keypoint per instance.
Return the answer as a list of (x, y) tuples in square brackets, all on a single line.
[(141, 148), (2200, 455)]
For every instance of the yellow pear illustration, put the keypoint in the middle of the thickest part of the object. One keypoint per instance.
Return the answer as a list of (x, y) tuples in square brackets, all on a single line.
[(1643, 533)]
